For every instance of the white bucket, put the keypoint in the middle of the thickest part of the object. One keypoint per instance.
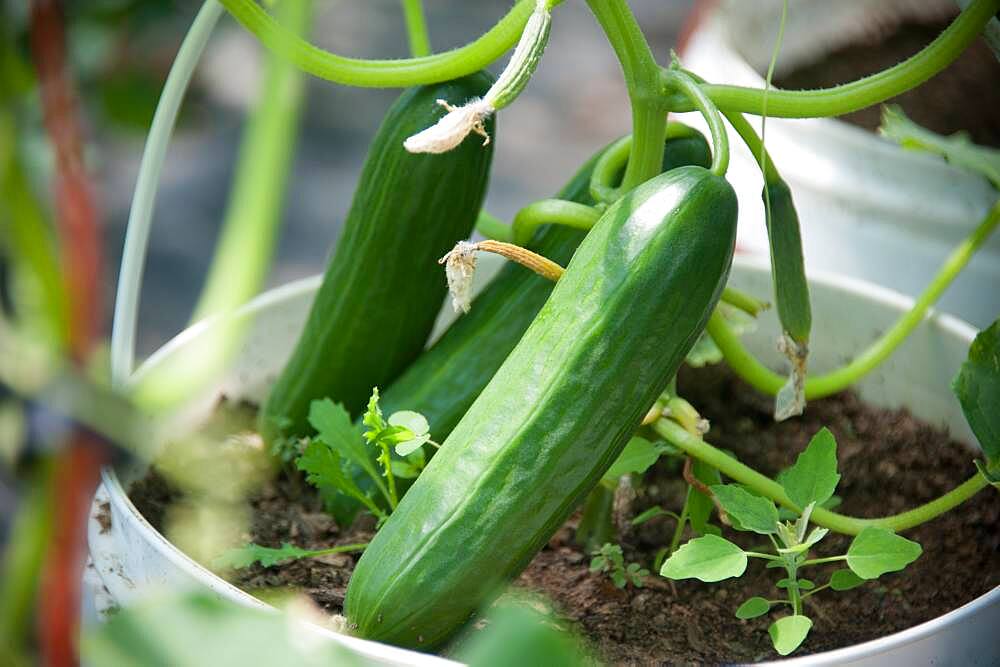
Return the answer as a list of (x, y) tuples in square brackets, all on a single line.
[(130, 558)]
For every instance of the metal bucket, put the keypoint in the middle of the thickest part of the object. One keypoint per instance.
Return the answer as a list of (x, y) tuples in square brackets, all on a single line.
[(130, 558)]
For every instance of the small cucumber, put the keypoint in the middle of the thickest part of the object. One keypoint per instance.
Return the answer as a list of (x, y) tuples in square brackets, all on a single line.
[(560, 409), (383, 288), (791, 289)]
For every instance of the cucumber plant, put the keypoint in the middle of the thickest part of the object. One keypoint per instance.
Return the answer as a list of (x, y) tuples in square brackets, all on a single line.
[(810, 482)]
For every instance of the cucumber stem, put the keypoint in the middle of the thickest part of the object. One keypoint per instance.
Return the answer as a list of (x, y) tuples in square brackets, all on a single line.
[(750, 369), (555, 212), (857, 94), (694, 446), (416, 28), (720, 138)]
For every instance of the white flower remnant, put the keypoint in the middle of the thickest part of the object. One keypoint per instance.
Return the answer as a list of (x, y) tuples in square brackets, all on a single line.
[(460, 267), (460, 121), (791, 398), (453, 128)]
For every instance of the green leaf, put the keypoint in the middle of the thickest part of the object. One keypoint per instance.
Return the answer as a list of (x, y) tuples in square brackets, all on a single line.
[(323, 470), (412, 445), (977, 387), (373, 417), (752, 608), (806, 584), (517, 630), (414, 421), (700, 506), (404, 469), (788, 633), (708, 558), (651, 514), (813, 478), (957, 149), (639, 454), (876, 551), (845, 580), (333, 426), (750, 512), (247, 555)]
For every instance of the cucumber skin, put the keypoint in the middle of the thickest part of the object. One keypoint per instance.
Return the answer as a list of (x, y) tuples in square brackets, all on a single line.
[(383, 288), (444, 381), (788, 273), (617, 326)]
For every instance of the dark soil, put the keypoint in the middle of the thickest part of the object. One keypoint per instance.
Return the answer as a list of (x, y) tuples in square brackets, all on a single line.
[(965, 96), (889, 462)]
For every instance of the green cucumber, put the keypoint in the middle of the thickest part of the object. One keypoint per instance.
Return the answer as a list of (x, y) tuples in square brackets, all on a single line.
[(383, 288), (444, 381), (791, 289), (632, 302)]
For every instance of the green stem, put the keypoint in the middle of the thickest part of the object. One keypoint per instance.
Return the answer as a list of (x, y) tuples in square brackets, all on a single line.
[(339, 549), (755, 145), (694, 446), (820, 561), (720, 138), (682, 520), (604, 180), (383, 73), (758, 554), (858, 94), (246, 244), (596, 525), (552, 211), (642, 82), (494, 228), (815, 590), (743, 301), (390, 478), (416, 28), (750, 369), (141, 213)]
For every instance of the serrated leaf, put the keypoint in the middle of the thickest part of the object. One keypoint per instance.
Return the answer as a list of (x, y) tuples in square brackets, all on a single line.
[(708, 558), (845, 580), (247, 555), (334, 427), (639, 454), (414, 421), (752, 608), (876, 551), (813, 478), (323, 470), (977, 387), (751, 512), (788, 633), (412, 445)]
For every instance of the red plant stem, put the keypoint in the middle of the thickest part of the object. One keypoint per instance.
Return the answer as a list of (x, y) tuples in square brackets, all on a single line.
[(77, 466)]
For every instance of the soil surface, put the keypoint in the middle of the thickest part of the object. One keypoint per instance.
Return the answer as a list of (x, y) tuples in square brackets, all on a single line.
[(965, 96), (889, 462)]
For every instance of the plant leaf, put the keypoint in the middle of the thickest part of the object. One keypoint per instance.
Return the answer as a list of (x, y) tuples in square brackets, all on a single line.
[(414, 421), (700, 506), (410, 446), (813, 478), (751, 512), (373, 417), (245, 556), (752, 608), (333, 424), (650, 514), (845, 580), (708, 558), (323, 469), (977, 387), (639, 454), (876, 551), (788, 633), (404, 469)]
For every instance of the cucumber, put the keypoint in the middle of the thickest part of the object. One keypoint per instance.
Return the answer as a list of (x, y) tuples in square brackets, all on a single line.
[(791, 289), (383, 288), (560, 409), (444, 381)]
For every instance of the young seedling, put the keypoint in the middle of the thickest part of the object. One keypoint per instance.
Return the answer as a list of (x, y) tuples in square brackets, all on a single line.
[(810, 482), (247, 555), (330, 457), (610, 560)]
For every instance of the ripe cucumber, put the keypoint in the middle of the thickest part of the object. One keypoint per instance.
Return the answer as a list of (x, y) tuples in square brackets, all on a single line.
[(560, 409), (383, 288), (444, 381)]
